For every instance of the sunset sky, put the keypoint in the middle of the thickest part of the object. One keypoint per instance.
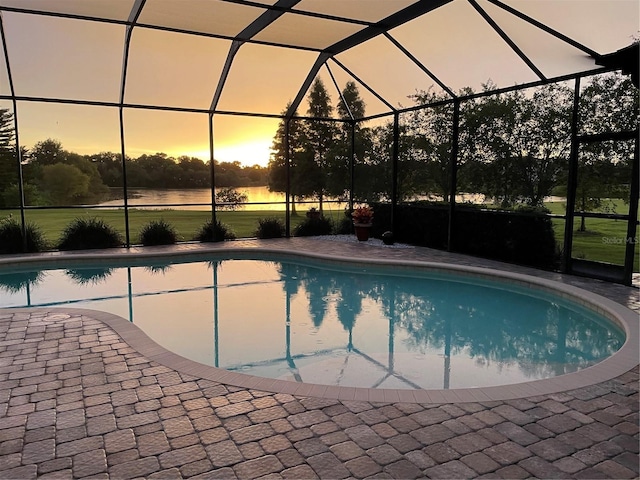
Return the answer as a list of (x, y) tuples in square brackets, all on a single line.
[(74, 59)]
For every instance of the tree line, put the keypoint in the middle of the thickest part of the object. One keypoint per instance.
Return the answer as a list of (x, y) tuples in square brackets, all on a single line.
[(513, 147), (55, 176)]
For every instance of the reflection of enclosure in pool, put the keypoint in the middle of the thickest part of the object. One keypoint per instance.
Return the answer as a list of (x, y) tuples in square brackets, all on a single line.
[(338, 326)]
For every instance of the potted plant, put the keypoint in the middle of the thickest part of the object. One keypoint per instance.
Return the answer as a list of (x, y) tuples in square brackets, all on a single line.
[(362, 217)]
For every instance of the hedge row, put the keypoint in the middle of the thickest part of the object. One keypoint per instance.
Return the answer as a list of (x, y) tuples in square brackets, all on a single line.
[(524, 236)]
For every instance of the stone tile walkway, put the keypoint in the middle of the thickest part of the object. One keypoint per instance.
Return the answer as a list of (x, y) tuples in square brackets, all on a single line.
[(78, 402)]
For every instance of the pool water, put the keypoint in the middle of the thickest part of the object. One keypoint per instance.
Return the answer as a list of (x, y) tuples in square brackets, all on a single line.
[(333, 324)]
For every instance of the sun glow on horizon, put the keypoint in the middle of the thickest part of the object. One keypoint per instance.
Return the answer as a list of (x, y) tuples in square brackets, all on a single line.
[(255, 152), (248, 153)]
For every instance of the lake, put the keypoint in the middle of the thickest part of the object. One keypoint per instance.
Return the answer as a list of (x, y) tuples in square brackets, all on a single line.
[(260, 198)]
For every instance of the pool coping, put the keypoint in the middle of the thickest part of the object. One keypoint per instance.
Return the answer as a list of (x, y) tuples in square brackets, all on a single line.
[(622, 361)]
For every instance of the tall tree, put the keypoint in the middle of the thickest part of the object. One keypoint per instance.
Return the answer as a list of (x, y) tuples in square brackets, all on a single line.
[(373, 174), (515, 144), (48, 152), (426, 166), (277, 168), (490, 127), (97, 190), (194, 173), (544, 142), (8, 165), (350, 107), (64, 184), (160, 170), (320, 136), (109, 165)]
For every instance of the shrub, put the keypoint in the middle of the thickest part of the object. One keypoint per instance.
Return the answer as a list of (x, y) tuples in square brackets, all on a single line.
[(524, 235), (10, 197), (270, 228), (311, 226), (214, 232), (86, 233), (158, 232), (344, 227), (313, 212), (11, 240)]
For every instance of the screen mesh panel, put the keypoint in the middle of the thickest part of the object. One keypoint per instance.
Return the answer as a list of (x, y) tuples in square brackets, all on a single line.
[(215, 17), (64, 58), (181, 69), (111, 9), (303, 31), (261, 82), (363, 10)]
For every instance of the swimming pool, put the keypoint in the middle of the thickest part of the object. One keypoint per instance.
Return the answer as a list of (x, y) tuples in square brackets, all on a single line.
[(334, 323)]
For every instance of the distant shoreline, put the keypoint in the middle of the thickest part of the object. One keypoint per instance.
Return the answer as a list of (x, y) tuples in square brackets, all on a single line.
[(116, 193)]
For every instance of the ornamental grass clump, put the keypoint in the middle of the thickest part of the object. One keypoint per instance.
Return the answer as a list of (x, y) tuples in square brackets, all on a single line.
[(312, 226), (214, 232), (88, 233), (158, 232), (12, 241), (270, 228), (345, 225)]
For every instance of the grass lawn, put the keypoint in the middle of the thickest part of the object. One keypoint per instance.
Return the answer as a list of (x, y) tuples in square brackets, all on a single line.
[(603, 241), (186, 222)]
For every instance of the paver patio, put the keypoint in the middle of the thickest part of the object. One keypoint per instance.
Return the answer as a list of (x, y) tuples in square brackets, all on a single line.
[(76, 401)]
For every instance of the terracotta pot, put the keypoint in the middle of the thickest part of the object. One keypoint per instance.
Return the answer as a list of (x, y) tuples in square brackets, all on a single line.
[(362, 231)]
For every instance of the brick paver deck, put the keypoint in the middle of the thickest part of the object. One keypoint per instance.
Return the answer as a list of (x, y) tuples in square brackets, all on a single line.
[(76, 401)]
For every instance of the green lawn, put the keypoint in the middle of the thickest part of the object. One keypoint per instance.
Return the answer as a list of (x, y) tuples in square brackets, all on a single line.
[(186, 222), (603, 241)]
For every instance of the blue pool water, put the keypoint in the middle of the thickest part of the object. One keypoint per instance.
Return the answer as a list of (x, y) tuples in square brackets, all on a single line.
[(333, 324)]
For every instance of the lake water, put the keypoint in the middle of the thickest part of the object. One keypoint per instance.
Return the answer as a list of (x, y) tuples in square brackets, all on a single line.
[(259, 198), (262, 198)]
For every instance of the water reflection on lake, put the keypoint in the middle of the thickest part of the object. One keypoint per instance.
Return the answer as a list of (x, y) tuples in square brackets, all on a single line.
[(260, 198), (334, 325)]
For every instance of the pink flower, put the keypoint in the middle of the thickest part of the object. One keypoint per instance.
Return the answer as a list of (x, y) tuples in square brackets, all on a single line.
[(362, 214)]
